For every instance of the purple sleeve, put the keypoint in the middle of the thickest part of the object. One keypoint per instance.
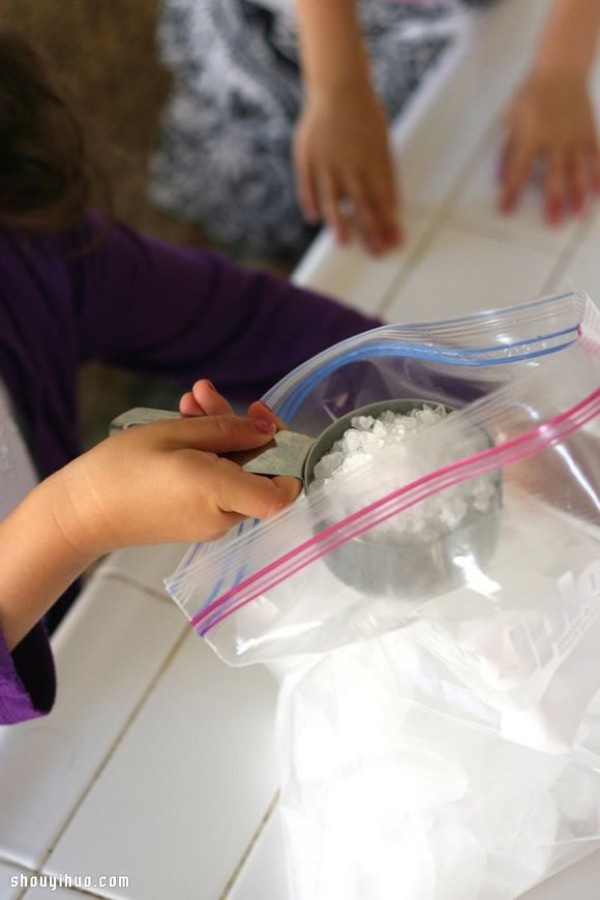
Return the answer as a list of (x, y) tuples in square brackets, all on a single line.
[(185, 313), (27, 678)]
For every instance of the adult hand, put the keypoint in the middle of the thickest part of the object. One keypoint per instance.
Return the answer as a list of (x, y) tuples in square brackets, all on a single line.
[(166, 481), (551, 120), (344, 167)]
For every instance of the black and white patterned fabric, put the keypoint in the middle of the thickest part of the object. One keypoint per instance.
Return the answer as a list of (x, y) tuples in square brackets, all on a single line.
[(224, 157)]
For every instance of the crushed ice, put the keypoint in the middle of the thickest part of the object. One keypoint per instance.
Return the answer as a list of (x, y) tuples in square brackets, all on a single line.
[(425, 521)]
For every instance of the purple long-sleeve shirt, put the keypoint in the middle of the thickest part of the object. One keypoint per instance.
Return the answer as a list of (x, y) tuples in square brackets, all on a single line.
[(110, 294)]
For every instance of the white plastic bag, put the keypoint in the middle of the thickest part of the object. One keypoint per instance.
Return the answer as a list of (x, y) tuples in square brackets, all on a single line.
[(398, 783)]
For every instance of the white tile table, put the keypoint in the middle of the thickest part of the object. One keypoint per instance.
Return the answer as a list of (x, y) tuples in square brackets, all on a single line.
[(109, 651), (10, 879), (196, 767), (158, 763)]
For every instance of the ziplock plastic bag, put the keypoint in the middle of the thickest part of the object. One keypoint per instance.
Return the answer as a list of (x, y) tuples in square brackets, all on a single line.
[(514, 466), (447, 745), (396, 782)]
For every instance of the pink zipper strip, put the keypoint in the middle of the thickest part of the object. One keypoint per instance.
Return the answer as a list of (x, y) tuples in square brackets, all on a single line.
[(379, 511)]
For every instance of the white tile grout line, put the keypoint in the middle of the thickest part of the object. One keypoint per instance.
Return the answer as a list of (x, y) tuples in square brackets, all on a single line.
[(431, 230), (253, 840), (110, 753), (21, 870), (6, 860), (81, 891), (125, 578), (569, 251), (562, 256), (417, 105)]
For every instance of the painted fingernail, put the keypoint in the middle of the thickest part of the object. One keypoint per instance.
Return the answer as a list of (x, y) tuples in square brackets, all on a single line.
[(265, 405), (210, 384), (264, 426), (555, 212), (395, 235)]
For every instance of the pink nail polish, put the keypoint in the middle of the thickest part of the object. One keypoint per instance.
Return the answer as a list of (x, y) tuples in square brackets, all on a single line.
[(264, 426)]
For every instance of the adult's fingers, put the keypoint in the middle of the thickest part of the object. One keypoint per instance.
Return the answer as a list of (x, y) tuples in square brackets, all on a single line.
[(555, 185), (578, 180), (306, 188), (375, 208), (517, 163), (594, 169), (334, 206)]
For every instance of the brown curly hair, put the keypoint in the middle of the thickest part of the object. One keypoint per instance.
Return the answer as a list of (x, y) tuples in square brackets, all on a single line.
[(45, 174)]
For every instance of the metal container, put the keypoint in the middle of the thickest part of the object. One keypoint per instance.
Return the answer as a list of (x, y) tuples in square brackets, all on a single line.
[(409, 567)]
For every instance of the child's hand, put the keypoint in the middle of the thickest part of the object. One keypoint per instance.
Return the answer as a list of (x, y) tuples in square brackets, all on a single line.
[(344, 167), (205, 400), (166, 482), (551, 120)]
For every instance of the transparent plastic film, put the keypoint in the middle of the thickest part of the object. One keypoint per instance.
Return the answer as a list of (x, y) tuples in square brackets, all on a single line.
[(440, 522), (433, 356), (452, 361)]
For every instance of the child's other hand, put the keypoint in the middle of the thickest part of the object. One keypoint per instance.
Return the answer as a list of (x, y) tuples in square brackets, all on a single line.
[(166, 482), (551, 120), (344, 167)]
